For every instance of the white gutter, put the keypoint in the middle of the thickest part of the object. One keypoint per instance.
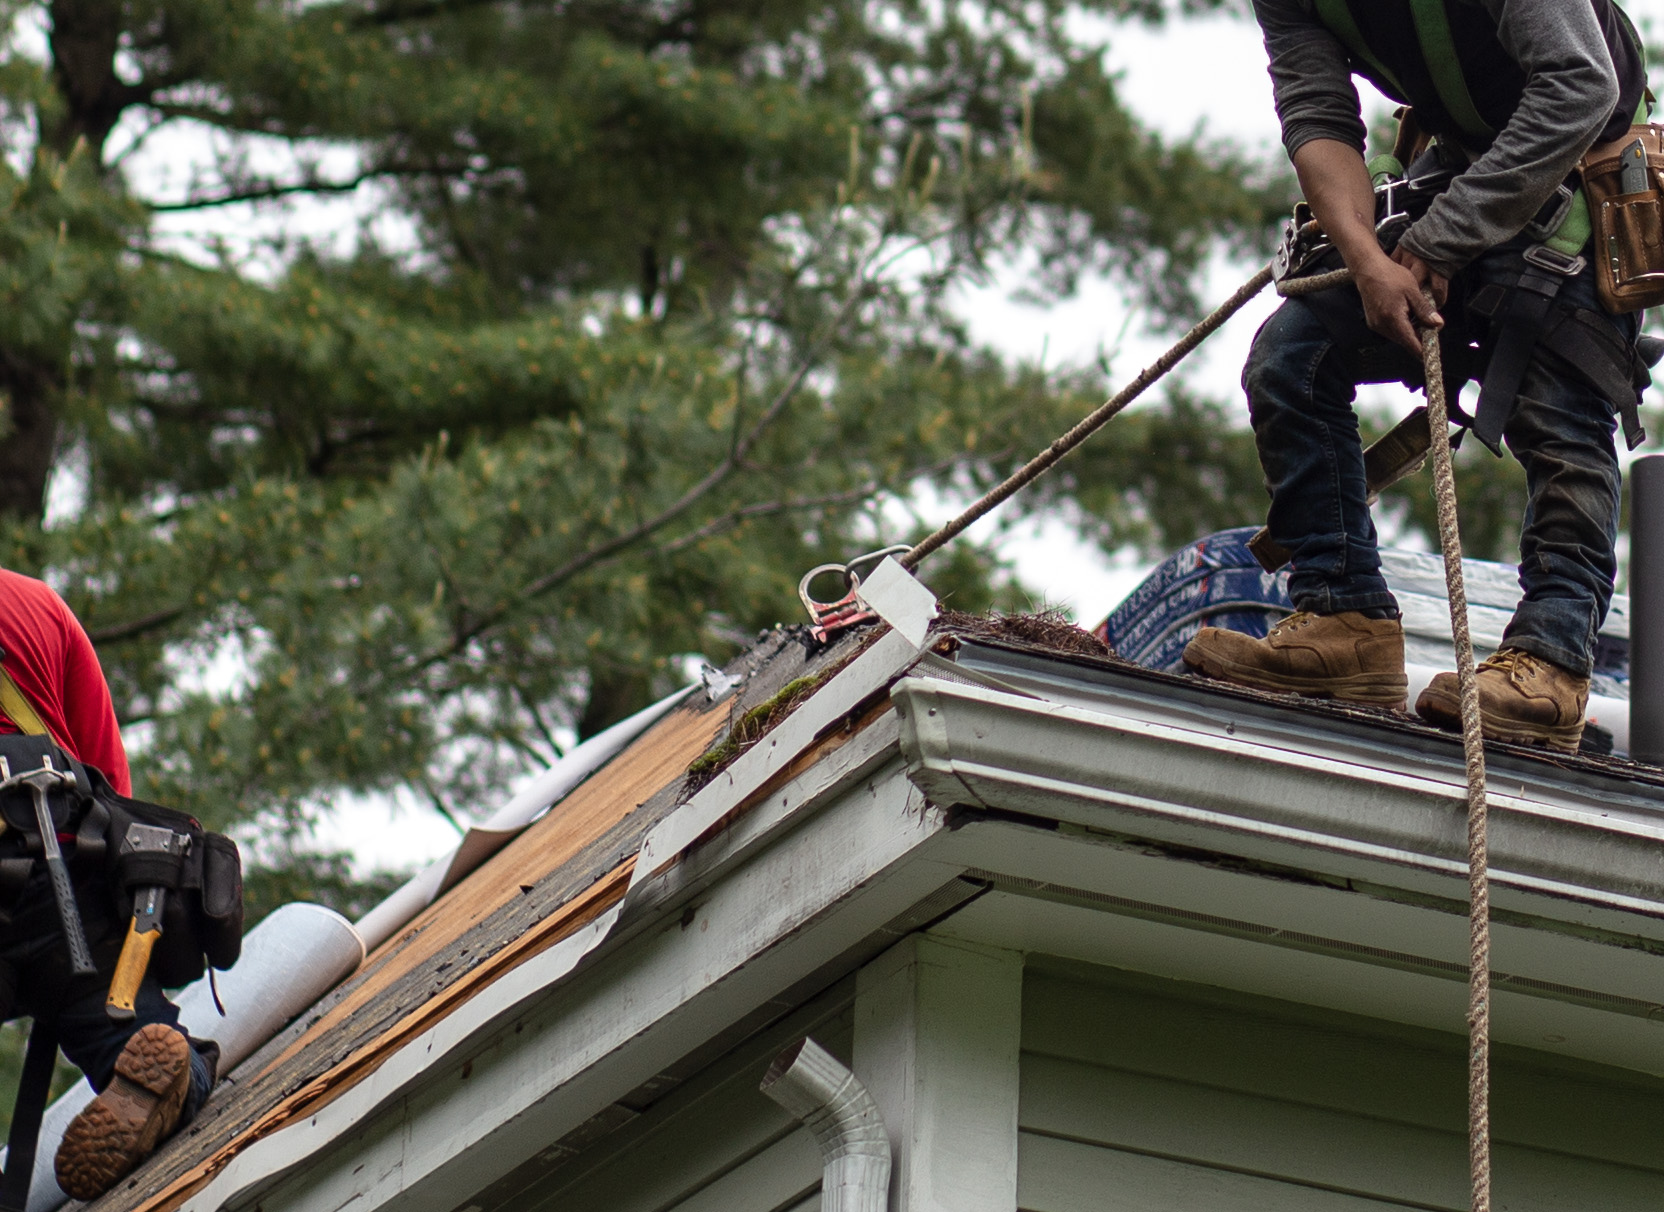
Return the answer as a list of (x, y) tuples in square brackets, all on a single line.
[(828, 1099), (1208, 784), (484, 840)]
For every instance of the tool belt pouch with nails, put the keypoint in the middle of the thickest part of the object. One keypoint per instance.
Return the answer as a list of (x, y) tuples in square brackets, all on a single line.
[(202, 922), (1628, 247)]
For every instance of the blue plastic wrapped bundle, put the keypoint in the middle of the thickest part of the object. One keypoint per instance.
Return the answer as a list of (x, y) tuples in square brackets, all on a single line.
[(1213, 582)]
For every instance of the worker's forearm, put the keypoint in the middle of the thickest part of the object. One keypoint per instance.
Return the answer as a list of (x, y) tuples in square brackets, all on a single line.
[(1336, 185), (1338, 189)]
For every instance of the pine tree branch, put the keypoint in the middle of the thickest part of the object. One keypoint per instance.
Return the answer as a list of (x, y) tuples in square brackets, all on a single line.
[(713, 478), (870, 272), (706, 485), (392, 14), (264, 193), (134, 628), (767, 509)]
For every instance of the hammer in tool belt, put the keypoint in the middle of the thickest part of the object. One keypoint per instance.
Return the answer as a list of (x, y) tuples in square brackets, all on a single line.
[(146, 927), (39, 783)]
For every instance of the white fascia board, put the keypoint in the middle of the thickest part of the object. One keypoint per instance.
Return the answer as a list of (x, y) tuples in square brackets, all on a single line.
[(862, 760), (1319, 811), (859, 681), (533, 1056)]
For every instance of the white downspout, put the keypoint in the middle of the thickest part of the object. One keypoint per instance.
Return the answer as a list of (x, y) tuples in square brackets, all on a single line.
[(819, 1092)]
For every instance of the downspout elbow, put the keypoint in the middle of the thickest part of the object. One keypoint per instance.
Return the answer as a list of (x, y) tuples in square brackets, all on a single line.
[(818, 1091)]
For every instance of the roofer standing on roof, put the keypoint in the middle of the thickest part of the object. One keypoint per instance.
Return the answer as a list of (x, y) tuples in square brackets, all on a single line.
[(150, 1076), (1513, 93)]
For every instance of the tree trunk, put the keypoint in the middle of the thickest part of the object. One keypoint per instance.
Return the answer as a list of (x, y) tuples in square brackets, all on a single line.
[(85, 37), (614, 693), (28, 434)]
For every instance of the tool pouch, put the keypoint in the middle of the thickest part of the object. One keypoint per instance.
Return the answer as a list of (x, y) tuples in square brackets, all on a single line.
[(202, 923), (1628, 223)]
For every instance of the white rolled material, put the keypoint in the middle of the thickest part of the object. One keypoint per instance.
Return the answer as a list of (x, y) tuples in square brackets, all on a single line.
[(814, 1088), (529, 803), (297, 953)]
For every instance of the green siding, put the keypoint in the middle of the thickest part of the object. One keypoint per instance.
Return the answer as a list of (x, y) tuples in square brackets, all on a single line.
[(1145, 1094)]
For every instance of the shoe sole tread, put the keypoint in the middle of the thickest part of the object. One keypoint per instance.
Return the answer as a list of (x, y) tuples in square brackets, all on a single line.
[(125, 1123), (1445, 711)]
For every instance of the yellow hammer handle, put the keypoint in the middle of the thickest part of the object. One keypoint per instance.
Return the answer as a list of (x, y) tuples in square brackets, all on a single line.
[(130, 970)]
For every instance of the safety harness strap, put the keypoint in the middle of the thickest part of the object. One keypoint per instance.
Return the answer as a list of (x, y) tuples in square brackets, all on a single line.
[(1584, 339), (1581, 338), (1335, 15), (33, 1089), (1438, 50), (19, 710), (1519, 323)]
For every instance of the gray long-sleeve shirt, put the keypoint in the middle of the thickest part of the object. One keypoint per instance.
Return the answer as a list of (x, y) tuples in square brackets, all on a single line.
[(1570, 93)]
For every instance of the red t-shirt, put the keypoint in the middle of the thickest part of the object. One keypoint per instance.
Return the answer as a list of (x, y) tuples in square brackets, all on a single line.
[(53, 663)]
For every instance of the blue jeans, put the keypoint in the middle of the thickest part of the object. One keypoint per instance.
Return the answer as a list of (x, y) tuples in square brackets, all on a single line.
[(1301, 384)]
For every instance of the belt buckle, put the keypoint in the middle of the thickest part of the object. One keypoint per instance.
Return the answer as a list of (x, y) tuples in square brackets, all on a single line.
[(1544, 229), (1566, 265)]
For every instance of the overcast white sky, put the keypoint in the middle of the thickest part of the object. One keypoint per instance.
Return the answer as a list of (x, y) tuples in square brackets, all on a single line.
[(1206, 76)]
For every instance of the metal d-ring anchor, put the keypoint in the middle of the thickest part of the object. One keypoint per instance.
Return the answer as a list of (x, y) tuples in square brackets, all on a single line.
[(829, 618)]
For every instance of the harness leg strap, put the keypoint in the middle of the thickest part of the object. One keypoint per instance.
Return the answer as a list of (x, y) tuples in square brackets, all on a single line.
[(1518, 327), (33, 1089), (1587, 344)]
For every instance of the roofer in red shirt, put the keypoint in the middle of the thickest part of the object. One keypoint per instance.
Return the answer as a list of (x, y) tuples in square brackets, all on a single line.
[(151, 1077)]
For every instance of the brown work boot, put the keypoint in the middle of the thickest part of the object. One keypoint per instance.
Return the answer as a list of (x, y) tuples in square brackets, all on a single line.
[(138, 1110), (1329, 656), (1523, 700)]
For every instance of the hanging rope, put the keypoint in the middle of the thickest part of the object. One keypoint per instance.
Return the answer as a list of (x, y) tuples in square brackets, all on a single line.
[(1473, 749), (1473, 745)]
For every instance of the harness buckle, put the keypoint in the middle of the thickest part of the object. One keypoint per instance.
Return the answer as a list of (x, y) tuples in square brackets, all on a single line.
[(1567, 265), (1547, 227)]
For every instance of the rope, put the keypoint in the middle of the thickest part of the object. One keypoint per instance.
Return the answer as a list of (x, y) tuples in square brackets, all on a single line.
[(1473, 749), (1473, 745), (1294, 288), (1048, 458)]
